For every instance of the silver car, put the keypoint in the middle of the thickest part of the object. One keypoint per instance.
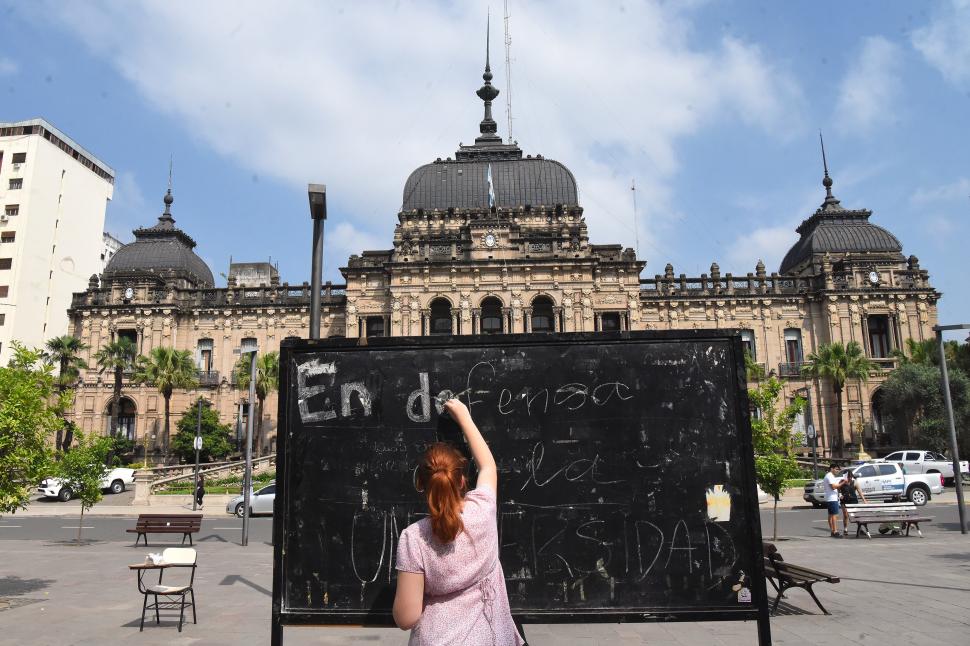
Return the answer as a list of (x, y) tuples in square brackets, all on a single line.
[(260, 502)]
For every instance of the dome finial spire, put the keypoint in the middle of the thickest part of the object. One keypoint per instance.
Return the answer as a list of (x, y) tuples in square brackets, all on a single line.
[(166, 217), (830, 200), (487, 93)]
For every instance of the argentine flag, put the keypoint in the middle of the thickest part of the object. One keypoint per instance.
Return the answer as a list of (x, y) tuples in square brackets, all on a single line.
[(491, 188)]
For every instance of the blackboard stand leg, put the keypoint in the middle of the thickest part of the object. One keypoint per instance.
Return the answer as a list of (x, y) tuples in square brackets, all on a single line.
[(521, 629), (276, 634), (764, 627)]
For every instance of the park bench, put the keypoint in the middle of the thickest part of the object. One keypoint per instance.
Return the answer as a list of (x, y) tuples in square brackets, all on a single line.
[(184, 524), (905, 513), (783, 575)]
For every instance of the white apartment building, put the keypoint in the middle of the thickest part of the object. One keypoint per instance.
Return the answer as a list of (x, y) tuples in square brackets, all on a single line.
[(53, 196), (108, 249)]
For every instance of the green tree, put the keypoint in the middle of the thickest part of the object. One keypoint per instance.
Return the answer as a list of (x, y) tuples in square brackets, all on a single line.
[(166, 369), (753, 370), (64, 352), (216, 437), (267, 381), (82, 469), (30, 413), (838, 363), (773, 439), (117, 357), (914, 407)]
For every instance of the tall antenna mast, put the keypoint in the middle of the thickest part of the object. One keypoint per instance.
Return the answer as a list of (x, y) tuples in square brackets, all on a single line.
[(508, 71), (636, 227), (171, 159)]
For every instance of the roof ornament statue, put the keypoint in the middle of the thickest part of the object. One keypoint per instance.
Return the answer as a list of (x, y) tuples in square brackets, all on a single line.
[(165, 220), (487, 93), (831, 202)]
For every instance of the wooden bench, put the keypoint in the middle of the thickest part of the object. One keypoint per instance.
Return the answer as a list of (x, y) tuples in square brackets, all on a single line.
[(184, 524), (783, 575), (905, 513)]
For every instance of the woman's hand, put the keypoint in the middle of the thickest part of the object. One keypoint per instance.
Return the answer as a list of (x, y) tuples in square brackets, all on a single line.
[(458, 411)]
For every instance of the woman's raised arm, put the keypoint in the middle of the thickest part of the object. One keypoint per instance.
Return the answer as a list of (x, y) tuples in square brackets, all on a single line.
[(487, 470)]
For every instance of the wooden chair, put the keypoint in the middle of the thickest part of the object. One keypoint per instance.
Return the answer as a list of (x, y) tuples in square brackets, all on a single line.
[(173, 557)]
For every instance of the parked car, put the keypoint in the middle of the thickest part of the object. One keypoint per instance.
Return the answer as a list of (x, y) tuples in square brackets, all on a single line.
[(926, 462), (763, 497), (260, 502), (115, 481), (884, 481)]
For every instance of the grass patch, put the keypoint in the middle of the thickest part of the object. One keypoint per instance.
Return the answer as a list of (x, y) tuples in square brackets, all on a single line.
[(797, 482), (227, 485)]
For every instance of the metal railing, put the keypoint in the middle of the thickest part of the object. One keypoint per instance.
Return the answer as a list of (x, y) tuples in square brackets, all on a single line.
[(208, 378), (790, 369)]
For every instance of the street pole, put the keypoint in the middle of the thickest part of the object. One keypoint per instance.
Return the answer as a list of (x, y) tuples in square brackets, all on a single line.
[(248, 474), (198, 445), (954, 450), (318, 213), (239, 424), (813, 430)]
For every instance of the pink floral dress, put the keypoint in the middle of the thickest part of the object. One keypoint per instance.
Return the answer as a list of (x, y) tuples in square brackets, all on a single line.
[(465, 601)]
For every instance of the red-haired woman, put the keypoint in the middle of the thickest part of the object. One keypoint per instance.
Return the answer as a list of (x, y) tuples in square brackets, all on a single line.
[(450, 584)]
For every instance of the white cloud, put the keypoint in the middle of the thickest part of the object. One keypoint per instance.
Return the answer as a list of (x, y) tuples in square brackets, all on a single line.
[(7, 66), (770, 244), (945, 41), (358, 96), (867, 94), (127, 207), (957, 190)]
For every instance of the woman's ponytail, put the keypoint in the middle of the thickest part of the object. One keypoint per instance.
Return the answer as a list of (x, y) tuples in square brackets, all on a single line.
[(441, 475)]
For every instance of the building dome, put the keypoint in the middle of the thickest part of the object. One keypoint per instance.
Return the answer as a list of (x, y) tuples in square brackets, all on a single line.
[(835, 231), (163, 250)]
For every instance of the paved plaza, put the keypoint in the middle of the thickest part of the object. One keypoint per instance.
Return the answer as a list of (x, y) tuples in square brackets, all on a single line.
[(894, 590)]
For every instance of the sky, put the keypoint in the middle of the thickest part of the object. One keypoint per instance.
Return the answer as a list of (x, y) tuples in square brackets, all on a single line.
[(712, 108)]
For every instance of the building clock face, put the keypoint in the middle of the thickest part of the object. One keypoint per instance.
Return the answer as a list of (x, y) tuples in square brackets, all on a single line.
[(490, 240), (874, 277), (129, 293)]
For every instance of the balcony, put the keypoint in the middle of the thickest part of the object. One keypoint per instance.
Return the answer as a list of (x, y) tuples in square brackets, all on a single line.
[(885, 363), (208, 378), (790, 369)]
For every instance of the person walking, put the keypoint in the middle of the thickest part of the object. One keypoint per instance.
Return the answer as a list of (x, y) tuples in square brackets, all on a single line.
[(200, 490), (450, 583), (850, 493), (830, 487)]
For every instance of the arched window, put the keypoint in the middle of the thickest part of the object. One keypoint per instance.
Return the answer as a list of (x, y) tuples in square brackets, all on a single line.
[(127, 414), (610, 322), (375, 326), (491, 318), (440, 317), (542, 314)]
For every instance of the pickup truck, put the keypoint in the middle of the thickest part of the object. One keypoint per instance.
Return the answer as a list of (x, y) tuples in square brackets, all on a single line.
[(114, 481), (884, 481), (925, 462)]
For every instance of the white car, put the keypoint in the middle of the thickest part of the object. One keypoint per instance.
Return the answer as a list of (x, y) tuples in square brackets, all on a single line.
[(925, 462), (114, 481), (884, 481), (260, 502)]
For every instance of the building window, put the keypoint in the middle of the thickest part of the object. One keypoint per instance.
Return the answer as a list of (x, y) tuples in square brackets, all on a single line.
[(18, 158), (610, 322), (440, 317), (747, 343), (3, 319), (490, 321), (5, 263), (204, 353), (11, 209), (879, 346), (131, 335), (8, 236), (375, 326), (793, 346), (4, 291), (542, 314), (16, 183)]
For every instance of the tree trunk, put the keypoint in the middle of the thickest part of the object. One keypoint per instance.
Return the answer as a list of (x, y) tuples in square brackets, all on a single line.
[(115, 403), (58, 442), (774, 521), (68, 436), (839, 426), (167, 400), (259, 428), (80, 523)]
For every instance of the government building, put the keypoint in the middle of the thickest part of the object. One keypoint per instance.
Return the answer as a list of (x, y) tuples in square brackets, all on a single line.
[(495, 241)]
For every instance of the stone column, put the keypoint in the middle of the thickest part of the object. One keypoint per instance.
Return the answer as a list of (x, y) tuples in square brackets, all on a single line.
[(599, 322), (556, 317), (476, 321), (506, 314), (527, 319), (143, 487), (425, 323), (455, 322)]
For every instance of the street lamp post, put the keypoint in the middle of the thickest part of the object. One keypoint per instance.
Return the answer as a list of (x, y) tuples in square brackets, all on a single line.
[(810, 430), (198, 446), (954, 450), (318, 213), (249, 346)]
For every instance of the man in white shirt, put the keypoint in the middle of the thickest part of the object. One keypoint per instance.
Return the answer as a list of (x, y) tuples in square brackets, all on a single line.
[(830, 485)]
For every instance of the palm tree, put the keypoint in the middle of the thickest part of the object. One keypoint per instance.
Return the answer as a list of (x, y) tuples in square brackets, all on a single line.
[(119, 358), (166, 369), (267, 380), (839, 363), (64, 351), (925, 353)]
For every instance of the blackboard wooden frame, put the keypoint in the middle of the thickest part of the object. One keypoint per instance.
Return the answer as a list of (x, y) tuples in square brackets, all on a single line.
[(758, 610)]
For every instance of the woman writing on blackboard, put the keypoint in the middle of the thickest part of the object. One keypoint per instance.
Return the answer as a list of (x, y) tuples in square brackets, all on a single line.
[(450, 584)]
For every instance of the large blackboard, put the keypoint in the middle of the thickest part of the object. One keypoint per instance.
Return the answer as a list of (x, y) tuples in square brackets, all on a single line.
[(616, 453)]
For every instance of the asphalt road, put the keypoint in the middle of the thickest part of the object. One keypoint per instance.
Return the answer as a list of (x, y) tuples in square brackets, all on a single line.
[(218, 526)]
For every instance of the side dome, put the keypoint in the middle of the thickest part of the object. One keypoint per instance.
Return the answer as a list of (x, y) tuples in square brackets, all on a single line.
[(161, 251)]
